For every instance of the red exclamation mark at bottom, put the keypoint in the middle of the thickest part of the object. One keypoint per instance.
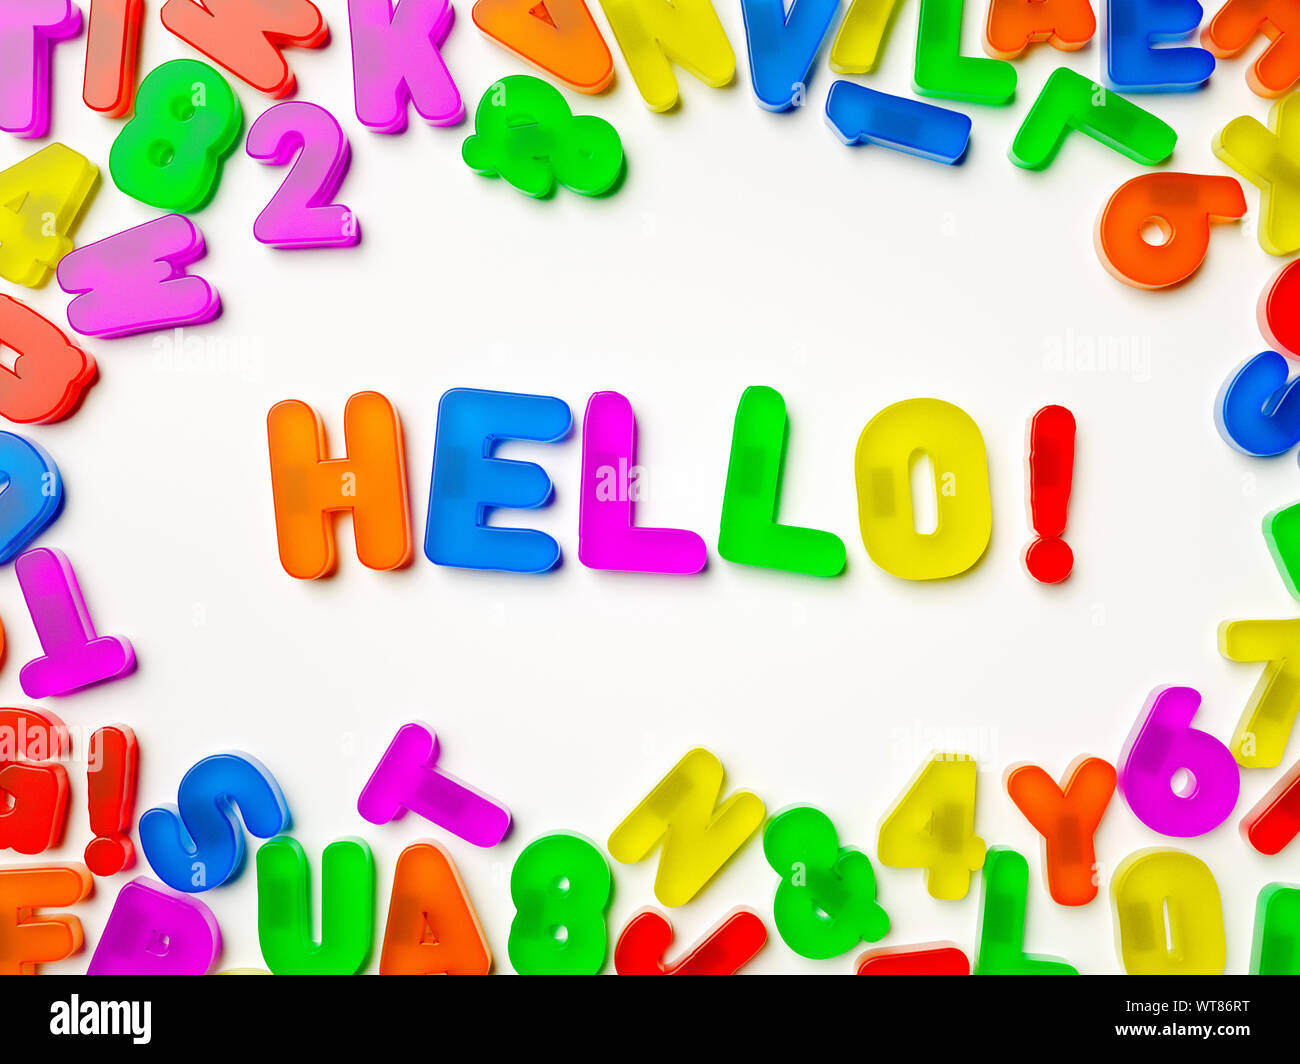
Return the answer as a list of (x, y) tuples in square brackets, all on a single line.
[(1051, 474), (110, 789)]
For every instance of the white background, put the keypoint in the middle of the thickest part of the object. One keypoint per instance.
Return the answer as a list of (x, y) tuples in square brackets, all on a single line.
[(743, 248)]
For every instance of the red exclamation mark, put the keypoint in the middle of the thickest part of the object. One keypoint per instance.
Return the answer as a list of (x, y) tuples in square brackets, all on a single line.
[(1051, 473), (110, 786)]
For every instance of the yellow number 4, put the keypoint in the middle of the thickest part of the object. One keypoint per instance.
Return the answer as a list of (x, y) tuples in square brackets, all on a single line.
[(40, 199)]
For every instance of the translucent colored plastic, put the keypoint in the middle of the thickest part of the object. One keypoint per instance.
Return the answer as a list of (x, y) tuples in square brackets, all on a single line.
[(136, 281), (1004, 900), (561, 886), (1269, 158), (50, 373), (1069, 101), (1260, 738), (29, 938), (883, 469), (1050, 465), (931, 825), (1067, 816), (407, 778), (608, 538), (1182, 207), (1168, 915), (309, 488), (859, 115), (1278, 311), (825, 903), (1138, 52), (783, 47), (41, 198), (559, 37), (75, 656), (1236, 26), (112, 761), (470, 481), (112, 51), (1257, 410), (245, 36), (1163, 745), (198, 843), (33, 496), (284, 917), (929, 958), (724, 950), (654, 34), (525, 133), (432, 926), (28, 34), (1013, 26), (156, 931), (1282, 534), (34, 784), (169, 155), (1274, 821), (941, 70), (861, 38), (397, 63), (696, 832), (750, 533), (1275, 946)]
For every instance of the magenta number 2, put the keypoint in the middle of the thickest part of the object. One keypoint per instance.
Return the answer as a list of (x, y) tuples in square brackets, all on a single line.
[(302, 213)]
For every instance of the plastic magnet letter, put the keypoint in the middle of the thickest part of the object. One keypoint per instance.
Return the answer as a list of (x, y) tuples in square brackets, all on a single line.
[(112, 48), (559, 37), (525, 133), (470, 481), (284, 920), (1168, 915), (50, 373), (560, 886), (1163, 746), (861, 37), (825, 903), (1004, 898), (729, 945), (33, 784), (245, 36), (1269, 158), (1014, 25), (432, 926), (750, 533), (1236, 26), (859, 115), (883, 470), (1278, 311), (783, 48), (1261, 735), (303, 214), (1133, 64), (653, 34), (28, 33), (187, 120), (1282, 534), (110, 797), (198, 844), (932, 826), (28, 938), (75, 656), (1069, 101), (153, 930), (135, 281), (1067, 817), (308, 489), (1275, 947), (698, 834), (941, 70), (32, 497), (407, 778), (1274, 821), (929, 958), (397, 63), (1181, 207), (611, 484), (1050, 468), (1256, 412), (41, 198)]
